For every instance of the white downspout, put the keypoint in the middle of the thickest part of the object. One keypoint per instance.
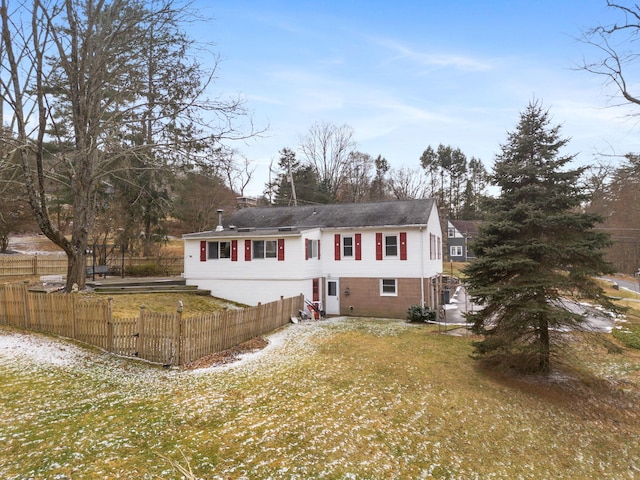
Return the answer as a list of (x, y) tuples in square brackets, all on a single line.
[(421, 268)]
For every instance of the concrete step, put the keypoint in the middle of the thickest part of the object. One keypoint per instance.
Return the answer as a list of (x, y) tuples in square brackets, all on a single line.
[(130, 282), (118, 289)]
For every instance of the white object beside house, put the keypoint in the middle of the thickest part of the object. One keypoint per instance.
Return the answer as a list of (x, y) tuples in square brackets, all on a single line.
[(365, 259)]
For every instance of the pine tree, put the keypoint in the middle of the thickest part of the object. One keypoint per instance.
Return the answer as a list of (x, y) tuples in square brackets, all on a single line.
[(536, 251)]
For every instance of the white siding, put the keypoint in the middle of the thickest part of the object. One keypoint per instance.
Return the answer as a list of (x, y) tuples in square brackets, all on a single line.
[(252, 292), (258, 280), (265, 280), (417, 264), (263, 269), (454, 230)]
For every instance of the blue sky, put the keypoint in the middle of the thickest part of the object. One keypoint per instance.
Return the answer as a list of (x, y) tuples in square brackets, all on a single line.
[(409, 74)]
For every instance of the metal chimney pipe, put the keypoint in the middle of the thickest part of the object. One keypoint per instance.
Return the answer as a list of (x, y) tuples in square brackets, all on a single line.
[(220, 228)]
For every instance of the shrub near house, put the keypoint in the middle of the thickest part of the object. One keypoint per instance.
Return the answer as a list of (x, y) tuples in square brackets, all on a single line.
[(373, 259)]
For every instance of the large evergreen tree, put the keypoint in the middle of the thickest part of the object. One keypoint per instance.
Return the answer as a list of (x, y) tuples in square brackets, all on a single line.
[(536, 252)]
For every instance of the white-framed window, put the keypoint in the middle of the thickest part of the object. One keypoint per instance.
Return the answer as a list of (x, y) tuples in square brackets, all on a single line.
[(390, 245), (432, 246), (265, 249), (347, 247), (388, 287), (312, 247), (455, 250), (451, 232), (218, 250)]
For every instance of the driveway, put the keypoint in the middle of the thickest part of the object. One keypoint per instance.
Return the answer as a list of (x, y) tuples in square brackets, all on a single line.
[(596, 320), (627, 284)]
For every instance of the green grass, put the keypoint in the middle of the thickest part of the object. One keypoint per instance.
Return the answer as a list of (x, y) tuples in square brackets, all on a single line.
[(628, 332), (129, 304), (629, 335), (358, 399)]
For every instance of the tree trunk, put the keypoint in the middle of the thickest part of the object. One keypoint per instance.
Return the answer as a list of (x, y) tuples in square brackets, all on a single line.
[(83, 219), (544, 344), (4, 242), (76, 271), (147, 241)]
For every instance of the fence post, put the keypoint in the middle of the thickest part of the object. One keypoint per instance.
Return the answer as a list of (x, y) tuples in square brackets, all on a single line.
[(3, 305), (27, 305), (176, 354), (35, 264), (109, 325), (140, 340), (74, 297)]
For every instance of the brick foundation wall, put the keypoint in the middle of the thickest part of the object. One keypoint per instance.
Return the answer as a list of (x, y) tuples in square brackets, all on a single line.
[(364, 299)]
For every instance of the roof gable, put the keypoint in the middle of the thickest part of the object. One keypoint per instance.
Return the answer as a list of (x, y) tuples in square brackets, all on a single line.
[(466, 227)]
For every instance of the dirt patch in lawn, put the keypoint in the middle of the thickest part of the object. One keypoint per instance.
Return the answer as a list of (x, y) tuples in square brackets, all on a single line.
[(229, 355)]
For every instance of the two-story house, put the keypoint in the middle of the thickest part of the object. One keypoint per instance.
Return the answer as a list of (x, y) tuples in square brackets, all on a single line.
[(365, 259), (460, 233)]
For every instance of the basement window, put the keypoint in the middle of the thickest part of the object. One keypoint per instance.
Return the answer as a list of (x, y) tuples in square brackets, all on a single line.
[(389, 287)]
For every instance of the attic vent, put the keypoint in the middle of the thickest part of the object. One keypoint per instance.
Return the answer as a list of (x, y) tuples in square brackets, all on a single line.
[(287, 229), (247, 229)]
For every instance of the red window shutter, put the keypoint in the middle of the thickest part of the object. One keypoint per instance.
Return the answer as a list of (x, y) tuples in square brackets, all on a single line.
[(336, 248), (234, 250), (378, 246), (316, 289), (307, 246), (247, 250), (403, 245), (280, 249), (318, 249), (203, 251), (358, 240)]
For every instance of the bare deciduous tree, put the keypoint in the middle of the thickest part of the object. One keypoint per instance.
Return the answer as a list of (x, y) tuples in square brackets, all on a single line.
[(328, 148), (78, 80), (615, 44), (237, 172), (357, 178), (408, 183), (616, 196)]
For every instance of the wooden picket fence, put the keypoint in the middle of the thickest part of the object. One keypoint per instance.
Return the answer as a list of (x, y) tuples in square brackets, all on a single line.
[(27, 265), (165, 338)]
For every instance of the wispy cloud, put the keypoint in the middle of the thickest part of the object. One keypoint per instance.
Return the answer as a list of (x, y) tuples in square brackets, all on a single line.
[(430, 59)]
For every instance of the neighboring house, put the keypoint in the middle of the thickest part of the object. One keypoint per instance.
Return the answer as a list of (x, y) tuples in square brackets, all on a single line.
[(459, 235), (365, 259)]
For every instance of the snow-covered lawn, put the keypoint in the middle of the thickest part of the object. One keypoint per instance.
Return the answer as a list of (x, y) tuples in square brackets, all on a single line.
[(344, 398)]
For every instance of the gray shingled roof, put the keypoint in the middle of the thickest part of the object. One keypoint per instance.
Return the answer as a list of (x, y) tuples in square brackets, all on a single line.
[(401, 212), (398, 212), (467, 227)]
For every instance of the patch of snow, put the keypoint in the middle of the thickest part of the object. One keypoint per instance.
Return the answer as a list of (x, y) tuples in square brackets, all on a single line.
[(283, 339), (38, 349)]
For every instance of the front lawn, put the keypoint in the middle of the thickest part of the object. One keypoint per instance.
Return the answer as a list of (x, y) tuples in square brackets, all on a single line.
[(336, 399)]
